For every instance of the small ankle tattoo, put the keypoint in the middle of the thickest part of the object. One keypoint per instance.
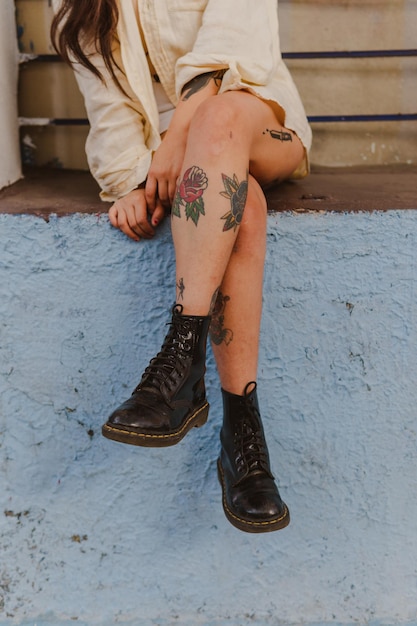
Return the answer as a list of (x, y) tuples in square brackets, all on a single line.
[(180, 289)]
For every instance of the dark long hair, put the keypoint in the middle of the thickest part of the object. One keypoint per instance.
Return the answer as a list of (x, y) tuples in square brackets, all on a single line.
[(86, 24)]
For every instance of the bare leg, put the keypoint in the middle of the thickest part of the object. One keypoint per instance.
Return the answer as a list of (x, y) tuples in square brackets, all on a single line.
[(236, 318), (231, 141), (229, 138), (218, 222)]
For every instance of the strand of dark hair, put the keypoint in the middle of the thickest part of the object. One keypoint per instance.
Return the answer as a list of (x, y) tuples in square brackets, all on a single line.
[(81, 24)]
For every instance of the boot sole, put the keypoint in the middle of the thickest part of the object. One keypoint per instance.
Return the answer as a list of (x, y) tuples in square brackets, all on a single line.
[(250, 526), (157, 440)]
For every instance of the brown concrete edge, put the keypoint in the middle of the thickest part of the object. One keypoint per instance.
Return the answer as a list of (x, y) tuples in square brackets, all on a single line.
[(45, 191)]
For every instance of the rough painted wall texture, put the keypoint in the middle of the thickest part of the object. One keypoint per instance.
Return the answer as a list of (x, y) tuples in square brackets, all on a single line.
[(94, 532)]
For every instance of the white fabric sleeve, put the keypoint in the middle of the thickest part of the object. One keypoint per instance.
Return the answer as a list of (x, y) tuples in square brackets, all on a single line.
[(116, 148), (222, 42)]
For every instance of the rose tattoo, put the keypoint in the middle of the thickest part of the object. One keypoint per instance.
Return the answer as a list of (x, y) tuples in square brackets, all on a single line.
[(189, 194)]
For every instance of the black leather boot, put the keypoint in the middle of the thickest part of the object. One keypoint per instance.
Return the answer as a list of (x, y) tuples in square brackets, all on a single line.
[(171, 396), (251, 500)]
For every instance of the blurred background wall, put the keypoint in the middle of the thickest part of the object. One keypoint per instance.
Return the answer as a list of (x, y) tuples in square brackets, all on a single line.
[(10, 169), (334, 86)]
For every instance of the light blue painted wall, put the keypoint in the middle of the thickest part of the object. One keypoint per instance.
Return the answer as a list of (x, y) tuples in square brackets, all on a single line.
[(98, 533)]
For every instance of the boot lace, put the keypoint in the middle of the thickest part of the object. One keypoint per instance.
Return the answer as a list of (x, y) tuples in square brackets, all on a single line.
[(251, 454), (171, 362)]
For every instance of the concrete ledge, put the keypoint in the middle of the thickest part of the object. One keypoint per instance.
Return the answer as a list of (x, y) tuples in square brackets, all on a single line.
[(93, 532), (64, 192)]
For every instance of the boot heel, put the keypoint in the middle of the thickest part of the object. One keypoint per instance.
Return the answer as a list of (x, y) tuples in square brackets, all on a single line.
[(202, 416)]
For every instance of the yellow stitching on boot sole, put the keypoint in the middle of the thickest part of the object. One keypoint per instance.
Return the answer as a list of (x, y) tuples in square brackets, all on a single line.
[(172, 435), (241, 519)]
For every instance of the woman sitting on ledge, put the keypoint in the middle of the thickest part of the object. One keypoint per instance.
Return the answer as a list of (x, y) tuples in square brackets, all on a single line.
[(193, 112)]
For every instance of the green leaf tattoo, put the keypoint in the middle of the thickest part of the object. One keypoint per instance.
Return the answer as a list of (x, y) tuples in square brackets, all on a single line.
[(237, 193), (175, 209), (189, 194)]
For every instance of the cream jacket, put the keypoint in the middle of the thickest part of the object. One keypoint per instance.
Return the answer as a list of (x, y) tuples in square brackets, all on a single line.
[(184, 38)]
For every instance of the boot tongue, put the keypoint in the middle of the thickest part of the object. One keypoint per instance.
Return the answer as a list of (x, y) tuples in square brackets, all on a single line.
[(251, 449)]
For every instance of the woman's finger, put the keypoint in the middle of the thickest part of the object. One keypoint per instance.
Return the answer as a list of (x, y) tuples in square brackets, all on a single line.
[(151, 190), (120, 221), (172, 190), (158, 214), (139, 223), (163, 193)]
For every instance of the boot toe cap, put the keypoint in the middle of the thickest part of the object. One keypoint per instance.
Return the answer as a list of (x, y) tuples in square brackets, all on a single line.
[(259, 507), (134, 415)]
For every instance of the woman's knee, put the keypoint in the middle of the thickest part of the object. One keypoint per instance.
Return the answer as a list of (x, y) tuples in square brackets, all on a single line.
[(217, 121)]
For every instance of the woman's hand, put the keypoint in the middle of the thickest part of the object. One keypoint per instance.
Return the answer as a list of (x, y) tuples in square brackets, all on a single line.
[(140, 211), (165, 169), (132, 215)]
